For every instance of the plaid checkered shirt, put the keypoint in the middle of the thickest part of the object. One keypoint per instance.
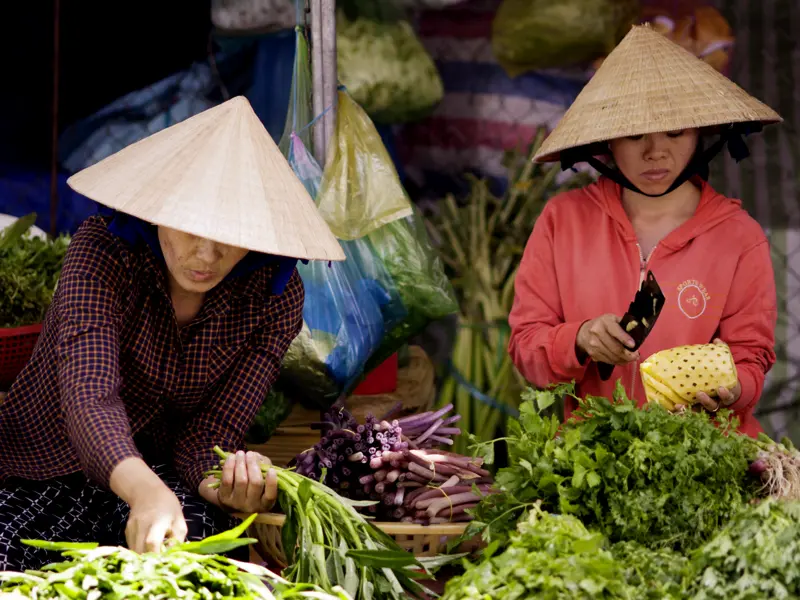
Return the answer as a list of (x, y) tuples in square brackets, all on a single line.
[(112, 365)]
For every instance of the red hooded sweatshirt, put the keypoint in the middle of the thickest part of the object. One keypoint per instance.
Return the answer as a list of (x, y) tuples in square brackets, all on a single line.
[(583, 260)]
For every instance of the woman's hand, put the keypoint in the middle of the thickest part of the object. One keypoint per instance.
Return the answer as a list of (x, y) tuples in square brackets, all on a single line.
[(603, 340), (243, 487), (156, 514), (726, 396)]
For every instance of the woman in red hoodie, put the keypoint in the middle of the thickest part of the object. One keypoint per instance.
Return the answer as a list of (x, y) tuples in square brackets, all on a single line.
[(648, 110)]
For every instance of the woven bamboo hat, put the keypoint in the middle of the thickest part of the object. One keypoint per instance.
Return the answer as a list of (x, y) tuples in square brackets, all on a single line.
[(217, 175), (649, 84)]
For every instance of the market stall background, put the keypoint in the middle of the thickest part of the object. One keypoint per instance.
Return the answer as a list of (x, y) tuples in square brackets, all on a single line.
[(148, 86)]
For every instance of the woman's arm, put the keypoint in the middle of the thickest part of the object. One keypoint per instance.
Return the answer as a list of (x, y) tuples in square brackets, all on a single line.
[(89, 289), (542, 345), (748, 323), (226, 416)]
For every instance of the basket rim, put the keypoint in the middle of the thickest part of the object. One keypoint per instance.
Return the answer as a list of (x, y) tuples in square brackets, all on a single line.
[(19, 331), (389, 527)]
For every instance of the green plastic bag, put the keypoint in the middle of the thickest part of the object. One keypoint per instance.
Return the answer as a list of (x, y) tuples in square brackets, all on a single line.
[(360, 189), (383, 64), (545, 34), (418, 275)]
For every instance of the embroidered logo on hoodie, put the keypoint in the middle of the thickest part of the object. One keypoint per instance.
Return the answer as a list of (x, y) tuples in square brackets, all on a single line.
[(692, 298)]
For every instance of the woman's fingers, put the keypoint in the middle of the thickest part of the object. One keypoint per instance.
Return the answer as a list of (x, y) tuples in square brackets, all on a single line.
[(255, 480), (270, 490), (707, 402)]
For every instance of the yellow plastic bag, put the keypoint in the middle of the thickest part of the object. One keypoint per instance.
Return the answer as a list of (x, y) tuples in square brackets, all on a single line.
[(360, 190)]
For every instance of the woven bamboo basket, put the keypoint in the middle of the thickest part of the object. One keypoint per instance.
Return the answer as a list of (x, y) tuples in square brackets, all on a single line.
[(421, 540), (416, 391)]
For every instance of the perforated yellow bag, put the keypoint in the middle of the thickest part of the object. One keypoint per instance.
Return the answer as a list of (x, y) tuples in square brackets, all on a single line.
[(674, 377)]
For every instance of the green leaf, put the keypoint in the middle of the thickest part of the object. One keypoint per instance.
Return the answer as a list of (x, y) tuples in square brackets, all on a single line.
[(210, 544), (593, 479), (545, 400), (304, 493), (60, 546), (380, 559)]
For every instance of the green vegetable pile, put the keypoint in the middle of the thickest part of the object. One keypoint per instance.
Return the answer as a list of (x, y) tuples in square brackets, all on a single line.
[(755, 556), (557, 557), (272, 412), (640, 475), (330, 543), (192, 570), (383, 64), (542, 34), (628, 503), (29, 271)]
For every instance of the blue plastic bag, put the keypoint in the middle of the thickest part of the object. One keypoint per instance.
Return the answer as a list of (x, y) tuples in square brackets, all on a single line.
[(349, 307)]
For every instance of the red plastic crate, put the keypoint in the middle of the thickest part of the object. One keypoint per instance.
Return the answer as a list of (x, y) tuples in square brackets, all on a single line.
[(16, 348), (381, 380)]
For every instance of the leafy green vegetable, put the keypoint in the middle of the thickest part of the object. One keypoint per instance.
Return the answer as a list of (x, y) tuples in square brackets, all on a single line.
[(653, 574), (190, 570), (29, 270), (755, 556), (274, 411), (640, 475), (542, 34), (383, 64), (550, 556)]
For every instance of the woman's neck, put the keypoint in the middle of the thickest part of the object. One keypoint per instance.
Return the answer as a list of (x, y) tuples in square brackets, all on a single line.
[(186, 304), (678, 204)]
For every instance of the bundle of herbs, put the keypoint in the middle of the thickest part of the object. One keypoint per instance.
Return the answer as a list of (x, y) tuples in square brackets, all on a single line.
[(397, 464), (649, 476), (328, 542), (191, 570), (481, 241), (556, 557), (29, 271), (756, 555)]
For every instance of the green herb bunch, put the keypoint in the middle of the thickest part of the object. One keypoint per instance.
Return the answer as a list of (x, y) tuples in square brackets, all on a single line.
[(640, 475), (192, 570), (756, 555), (29, 271), (550, 556)]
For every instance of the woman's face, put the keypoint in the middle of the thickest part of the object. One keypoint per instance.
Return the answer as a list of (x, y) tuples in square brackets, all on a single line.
[(196, 264), (653, 162)]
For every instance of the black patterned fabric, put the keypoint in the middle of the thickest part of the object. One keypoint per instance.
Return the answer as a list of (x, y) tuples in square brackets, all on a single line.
[(72, 509)]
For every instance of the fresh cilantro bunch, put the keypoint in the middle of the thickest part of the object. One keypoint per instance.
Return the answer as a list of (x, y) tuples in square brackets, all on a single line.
[(653, 574), (29, 271), (642, 475), (756, 555)]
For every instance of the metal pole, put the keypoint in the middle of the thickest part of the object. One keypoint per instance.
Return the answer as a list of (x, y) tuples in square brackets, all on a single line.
[(323, 64), (54, 131), (317, 73), (330, 75)]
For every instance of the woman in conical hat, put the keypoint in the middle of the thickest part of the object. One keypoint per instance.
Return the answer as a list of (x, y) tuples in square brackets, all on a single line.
[(168, 327), (649, 120)]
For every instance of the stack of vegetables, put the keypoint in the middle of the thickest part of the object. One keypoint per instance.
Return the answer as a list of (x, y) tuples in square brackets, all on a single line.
[(481, 241), (328, 542), (621, 502), (396, 465), (29, 270)]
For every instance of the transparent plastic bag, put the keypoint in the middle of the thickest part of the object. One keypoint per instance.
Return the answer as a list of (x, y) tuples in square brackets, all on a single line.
[(360, 189), (383, 63)]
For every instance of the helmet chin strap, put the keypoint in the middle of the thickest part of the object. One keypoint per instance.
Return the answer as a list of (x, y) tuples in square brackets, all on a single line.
[(731, 136)]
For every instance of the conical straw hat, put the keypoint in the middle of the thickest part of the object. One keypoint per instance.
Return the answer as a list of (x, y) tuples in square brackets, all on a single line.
[(217, 175), (649, 84)]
